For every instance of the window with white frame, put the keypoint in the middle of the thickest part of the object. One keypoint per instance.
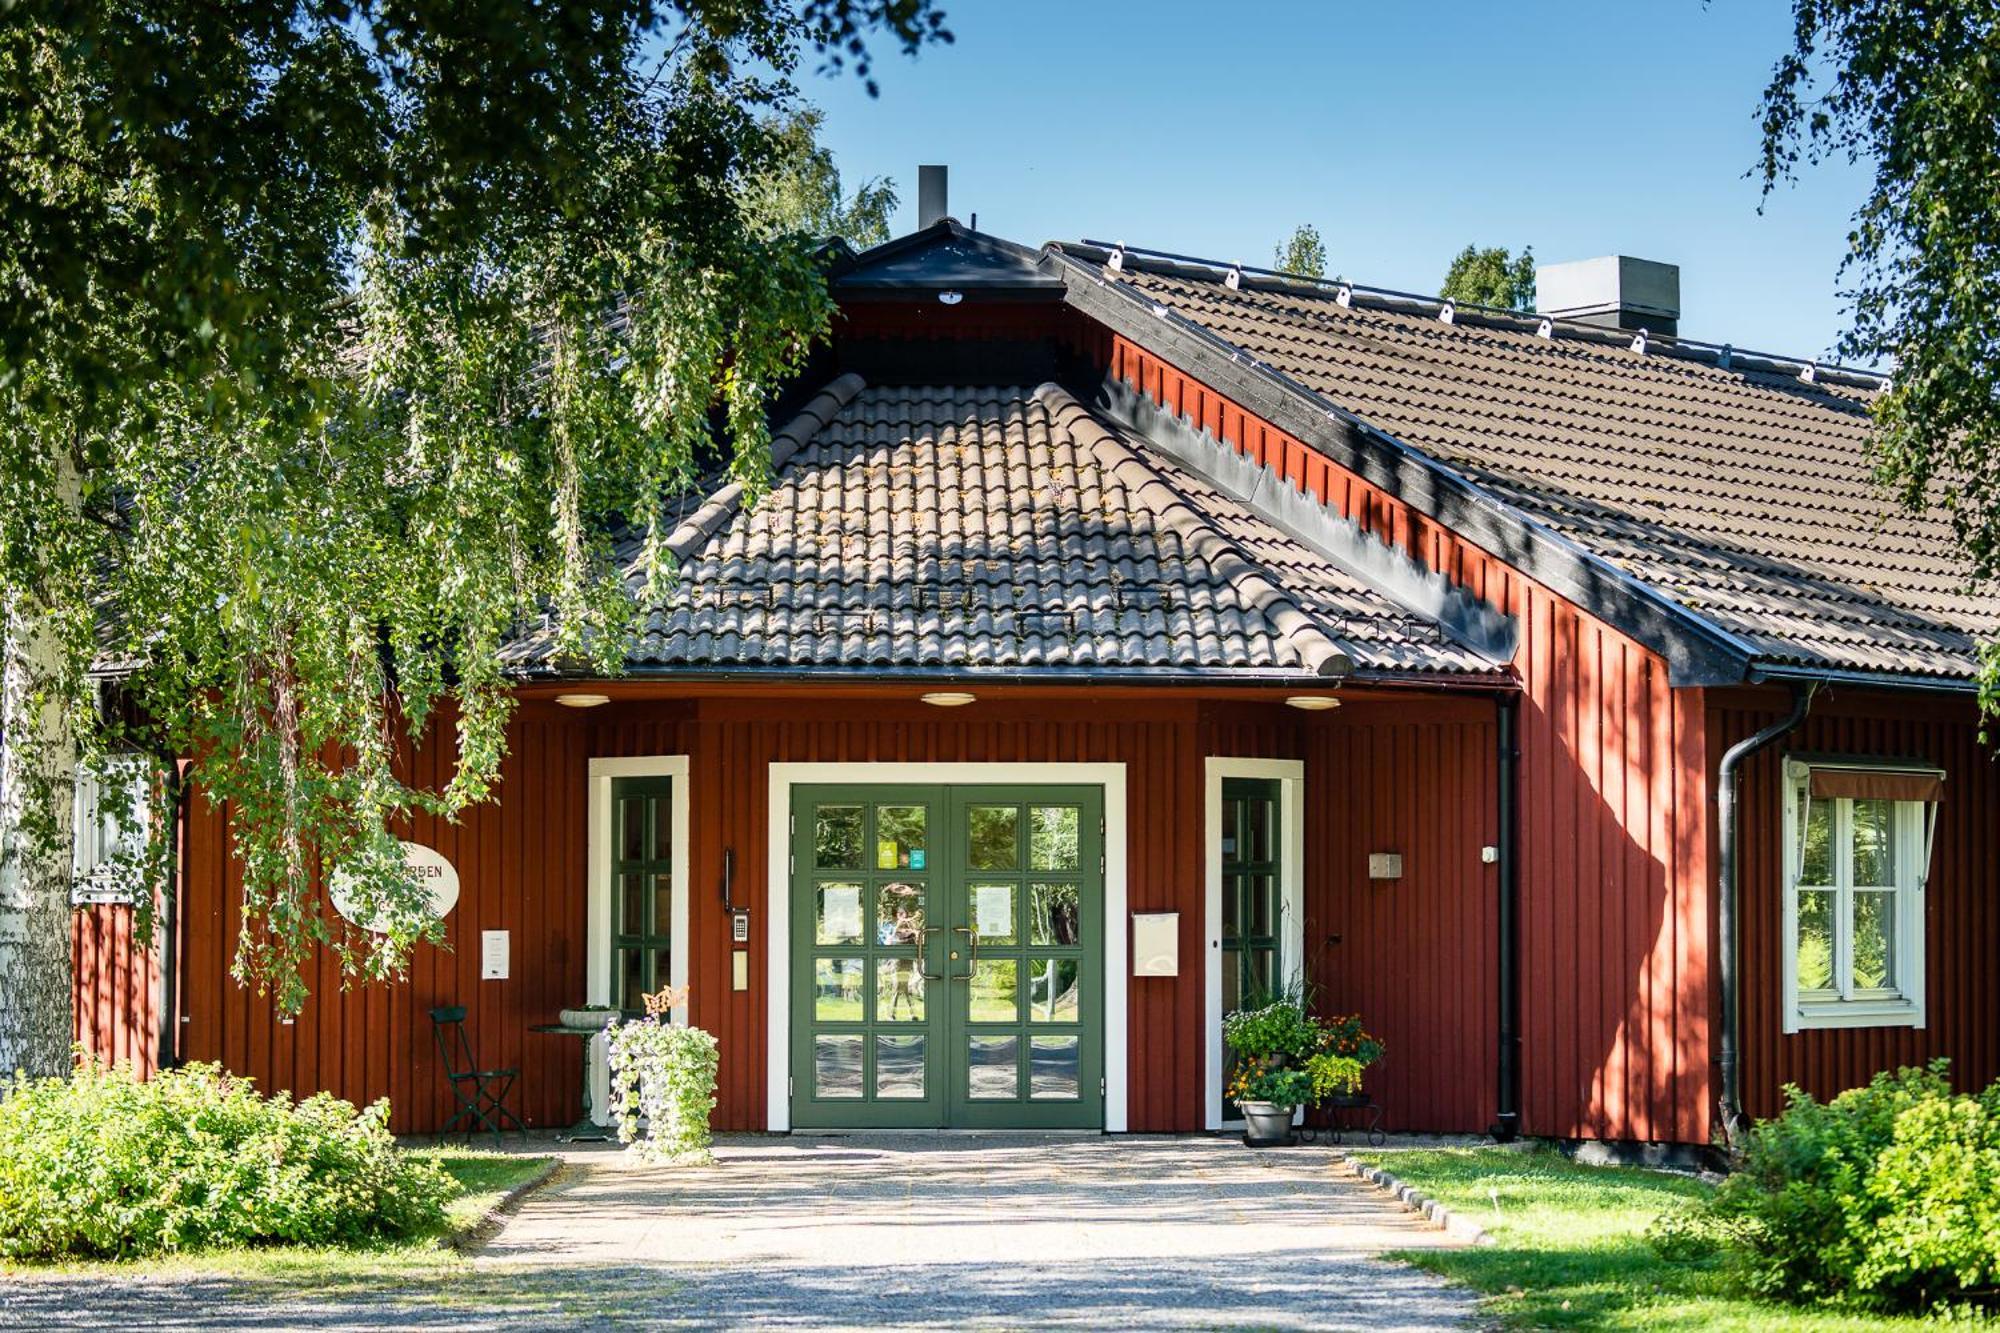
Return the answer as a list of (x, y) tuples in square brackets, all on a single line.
[(113, 801), (1858, 844)]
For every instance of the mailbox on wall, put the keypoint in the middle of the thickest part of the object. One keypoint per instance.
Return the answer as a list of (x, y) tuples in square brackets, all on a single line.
[(1156, 944)]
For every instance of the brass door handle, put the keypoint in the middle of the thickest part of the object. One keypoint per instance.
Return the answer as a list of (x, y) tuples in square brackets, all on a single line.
[(924, 934)]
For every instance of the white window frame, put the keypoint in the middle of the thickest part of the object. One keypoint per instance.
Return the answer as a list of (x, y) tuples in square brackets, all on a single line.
[(1290, 774), (1902, 1007), (100, 871), (602, 772)]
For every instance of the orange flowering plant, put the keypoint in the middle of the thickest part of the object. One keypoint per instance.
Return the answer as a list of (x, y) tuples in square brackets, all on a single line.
[(1346, 1037), (1346, 1049), (1269, 1080)]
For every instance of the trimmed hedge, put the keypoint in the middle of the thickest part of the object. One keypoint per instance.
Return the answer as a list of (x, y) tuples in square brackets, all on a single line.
[(104, 1165)]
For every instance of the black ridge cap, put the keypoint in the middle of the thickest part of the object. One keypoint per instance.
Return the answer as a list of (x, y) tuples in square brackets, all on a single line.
[(1676, 346), (944, 255), (1697, 651)]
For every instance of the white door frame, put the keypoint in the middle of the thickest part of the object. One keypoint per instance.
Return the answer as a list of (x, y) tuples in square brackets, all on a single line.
[(778, 903), (602, 771), (1291, 777)]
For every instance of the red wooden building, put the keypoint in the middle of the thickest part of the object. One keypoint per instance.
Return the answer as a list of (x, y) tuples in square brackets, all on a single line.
[(1126, 631)]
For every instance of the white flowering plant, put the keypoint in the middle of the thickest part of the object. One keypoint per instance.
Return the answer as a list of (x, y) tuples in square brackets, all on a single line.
[(663, 1077)]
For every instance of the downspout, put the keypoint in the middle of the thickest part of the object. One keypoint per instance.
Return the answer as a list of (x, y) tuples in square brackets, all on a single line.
[(1507, 1122), (1731, 1104)]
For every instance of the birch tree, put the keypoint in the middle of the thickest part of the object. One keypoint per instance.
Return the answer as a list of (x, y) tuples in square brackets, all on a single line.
[(336, 337), (1911, 90)]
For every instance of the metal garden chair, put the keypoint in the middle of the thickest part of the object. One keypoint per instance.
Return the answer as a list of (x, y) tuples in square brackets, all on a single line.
[(480, 1092)]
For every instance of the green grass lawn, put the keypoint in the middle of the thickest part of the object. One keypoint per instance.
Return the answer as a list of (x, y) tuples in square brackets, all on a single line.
[(483, 1178), (1571, 1247)]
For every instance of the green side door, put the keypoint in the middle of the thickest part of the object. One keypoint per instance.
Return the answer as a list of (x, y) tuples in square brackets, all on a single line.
[(947, 957)]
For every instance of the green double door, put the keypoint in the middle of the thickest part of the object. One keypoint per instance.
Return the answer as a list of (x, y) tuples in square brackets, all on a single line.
[(947, 957)]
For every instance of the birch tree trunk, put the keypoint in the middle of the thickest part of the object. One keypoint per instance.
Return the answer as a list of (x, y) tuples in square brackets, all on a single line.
[(38, 760)]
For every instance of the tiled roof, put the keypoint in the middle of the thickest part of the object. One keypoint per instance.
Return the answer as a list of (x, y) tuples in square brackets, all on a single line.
[(1744, 495), (976, 528)]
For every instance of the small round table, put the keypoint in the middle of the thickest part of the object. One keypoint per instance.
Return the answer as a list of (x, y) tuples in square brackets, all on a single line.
[(586, 1130)]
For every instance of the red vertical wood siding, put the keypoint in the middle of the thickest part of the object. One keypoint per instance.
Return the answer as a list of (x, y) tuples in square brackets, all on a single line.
[(1418, 957), (115, 988), (521, 868), (1415, 777), (1615, 918), (1962, 901)]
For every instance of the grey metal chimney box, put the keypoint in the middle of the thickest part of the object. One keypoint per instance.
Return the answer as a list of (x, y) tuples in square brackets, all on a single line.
[(931, 195), (1615, 291)]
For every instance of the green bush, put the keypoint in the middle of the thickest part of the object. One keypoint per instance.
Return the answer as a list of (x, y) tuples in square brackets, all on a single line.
[(104, 1165), (1886, 1198)]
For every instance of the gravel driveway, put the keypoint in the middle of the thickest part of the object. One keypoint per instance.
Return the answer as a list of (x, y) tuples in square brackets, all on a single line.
[(942, 1231)]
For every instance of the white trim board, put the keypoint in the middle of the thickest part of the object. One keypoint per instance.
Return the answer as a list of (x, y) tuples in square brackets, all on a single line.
[(778, 905), (1291, 777)]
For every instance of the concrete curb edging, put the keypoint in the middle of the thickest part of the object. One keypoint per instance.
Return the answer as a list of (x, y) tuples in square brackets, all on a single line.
[(470, 1238), (1439, 1216)]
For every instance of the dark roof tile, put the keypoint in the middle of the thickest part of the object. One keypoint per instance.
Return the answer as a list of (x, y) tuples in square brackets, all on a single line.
[(928, 527), (1745, 495)]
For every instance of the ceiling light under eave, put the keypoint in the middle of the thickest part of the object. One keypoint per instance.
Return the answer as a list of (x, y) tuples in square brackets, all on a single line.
[(948, 698), (582, 700), (1312, 703)]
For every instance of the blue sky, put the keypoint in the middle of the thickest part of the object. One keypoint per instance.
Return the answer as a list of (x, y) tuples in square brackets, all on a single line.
[(1402, 130)]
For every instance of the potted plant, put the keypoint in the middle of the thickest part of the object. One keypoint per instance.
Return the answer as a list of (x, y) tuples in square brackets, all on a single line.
[(663, 1082), (1346, 1050), (1272, 1044), (1268, 1093)]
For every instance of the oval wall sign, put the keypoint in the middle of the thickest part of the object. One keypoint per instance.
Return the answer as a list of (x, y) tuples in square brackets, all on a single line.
[(437, 875)]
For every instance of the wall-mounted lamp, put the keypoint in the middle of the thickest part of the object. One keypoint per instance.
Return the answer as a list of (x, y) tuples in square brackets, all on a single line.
[(1312, 703), (948, 698), (582, 700)]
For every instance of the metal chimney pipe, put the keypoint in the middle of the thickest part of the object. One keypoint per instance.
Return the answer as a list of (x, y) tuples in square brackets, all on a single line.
[(931, 195)]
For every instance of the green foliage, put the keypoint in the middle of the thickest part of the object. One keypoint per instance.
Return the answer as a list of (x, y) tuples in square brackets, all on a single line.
[(1281, 1027), (1270, 1079), (336, 340), (1887, 1197), (105, 1165), (1304, 254), (1914, 90), (1571, 1247), (1343, 1035), (1334, 1075), (799, 190), (1286, 1056), (1492, 277), (664, 1074), (1692, 1232)]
